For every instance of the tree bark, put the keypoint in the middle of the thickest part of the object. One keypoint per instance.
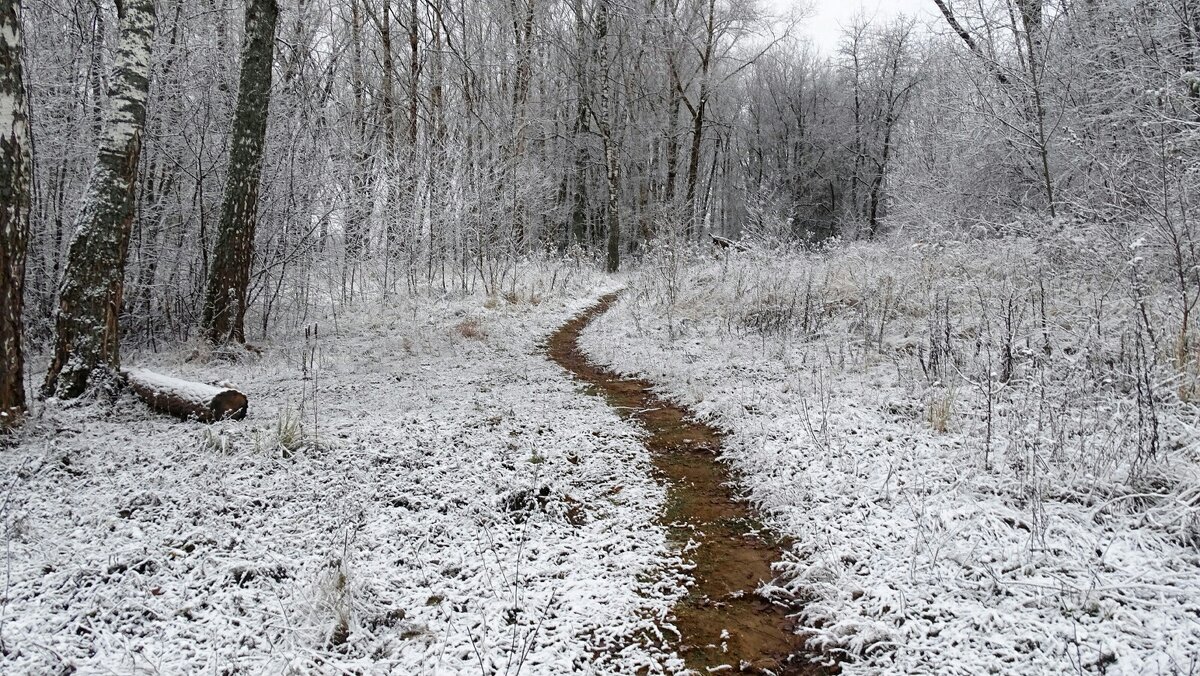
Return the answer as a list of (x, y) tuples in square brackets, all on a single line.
[(1031, 22), (229, 280), (87, 340), (437, 102), (16, 169), (358, 213), (672, 159), (414, 74), (1189, 36), (388, 96), (387, 111), (612, 153), (698, 120), (579, 134), (187, 400)]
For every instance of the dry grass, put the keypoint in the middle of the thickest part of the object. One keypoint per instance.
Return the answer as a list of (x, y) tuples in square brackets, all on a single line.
[(471, 328), (941, 410)]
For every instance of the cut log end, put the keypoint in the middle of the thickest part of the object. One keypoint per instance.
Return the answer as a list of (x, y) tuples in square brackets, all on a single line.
[(230, 404), (185, 399)]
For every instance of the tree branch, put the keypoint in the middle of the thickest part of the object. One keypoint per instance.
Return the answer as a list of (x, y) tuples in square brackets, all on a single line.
[(970, 41)]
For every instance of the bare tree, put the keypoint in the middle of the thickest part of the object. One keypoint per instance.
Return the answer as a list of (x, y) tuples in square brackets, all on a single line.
[(606, 121), (1023, 93), (16, 169), (87, 336), (226, 297), (896, 80)]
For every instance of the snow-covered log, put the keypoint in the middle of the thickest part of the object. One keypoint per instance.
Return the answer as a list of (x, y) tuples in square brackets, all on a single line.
[(186, 399), (726, 243)]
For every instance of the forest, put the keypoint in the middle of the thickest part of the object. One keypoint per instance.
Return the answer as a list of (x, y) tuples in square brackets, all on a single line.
[(599, 337)]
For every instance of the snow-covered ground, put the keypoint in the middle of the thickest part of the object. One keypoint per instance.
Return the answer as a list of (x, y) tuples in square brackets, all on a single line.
[(436, 497), (988, 464)]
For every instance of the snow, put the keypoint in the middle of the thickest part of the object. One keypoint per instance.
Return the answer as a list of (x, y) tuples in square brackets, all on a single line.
[(183, 389), (420, 490), (926, 551), (454, 505)]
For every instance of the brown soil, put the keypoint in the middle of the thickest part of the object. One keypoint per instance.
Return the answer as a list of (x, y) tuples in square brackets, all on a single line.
[(730, 548)]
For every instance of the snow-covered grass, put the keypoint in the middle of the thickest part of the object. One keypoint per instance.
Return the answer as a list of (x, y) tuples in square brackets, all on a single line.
[(416, 489), (986, 452)]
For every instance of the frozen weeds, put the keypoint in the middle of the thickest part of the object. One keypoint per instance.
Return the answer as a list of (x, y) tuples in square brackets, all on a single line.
[(917, 551), (455, 505), (421, 491)]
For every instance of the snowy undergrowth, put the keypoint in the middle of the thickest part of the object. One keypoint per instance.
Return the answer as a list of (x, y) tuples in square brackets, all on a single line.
[(989, 465), (435, 497)]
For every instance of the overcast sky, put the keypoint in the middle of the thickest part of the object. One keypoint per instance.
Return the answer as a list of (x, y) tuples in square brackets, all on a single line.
[(827, 15)]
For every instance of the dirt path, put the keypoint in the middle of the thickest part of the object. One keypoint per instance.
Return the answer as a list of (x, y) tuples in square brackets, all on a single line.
[(731, 550)]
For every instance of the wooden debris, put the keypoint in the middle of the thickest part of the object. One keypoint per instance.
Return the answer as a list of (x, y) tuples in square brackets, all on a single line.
[(726, 243), (185, 399)]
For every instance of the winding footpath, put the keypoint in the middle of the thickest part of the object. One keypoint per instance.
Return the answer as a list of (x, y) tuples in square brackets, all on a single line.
[(722, 620)]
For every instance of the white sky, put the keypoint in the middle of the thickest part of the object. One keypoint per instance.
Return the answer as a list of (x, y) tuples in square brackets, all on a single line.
[(827, 15)]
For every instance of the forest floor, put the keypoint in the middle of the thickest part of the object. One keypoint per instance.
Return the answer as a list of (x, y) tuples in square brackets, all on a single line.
[(418, 490), (943, 518), (722, 621)]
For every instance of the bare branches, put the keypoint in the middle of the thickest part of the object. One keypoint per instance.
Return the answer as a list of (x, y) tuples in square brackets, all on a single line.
[(969, 40)]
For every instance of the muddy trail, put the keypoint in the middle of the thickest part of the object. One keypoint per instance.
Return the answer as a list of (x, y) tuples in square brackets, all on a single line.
[(722, 620)]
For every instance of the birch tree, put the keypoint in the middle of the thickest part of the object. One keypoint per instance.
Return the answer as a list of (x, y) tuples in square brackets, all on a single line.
[(606, 122), (228, 283), (87, 336), (16, 167)]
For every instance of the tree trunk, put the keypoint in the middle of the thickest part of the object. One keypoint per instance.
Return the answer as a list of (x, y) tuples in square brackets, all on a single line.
[(612, 156), (1189, 37), (414, 75), (1031, 21), (436, 97), (612, 161), (880, 174), (579, 196), (16, 169), (358, 211), (387, 115), (524, 14), (579, 135), (388, 98), (185, 399), (672, 159), (87, 341), (229, 280), (693, 173)]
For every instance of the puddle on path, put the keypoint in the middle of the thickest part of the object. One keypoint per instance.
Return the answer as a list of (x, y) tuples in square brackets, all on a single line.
[(721, 620)]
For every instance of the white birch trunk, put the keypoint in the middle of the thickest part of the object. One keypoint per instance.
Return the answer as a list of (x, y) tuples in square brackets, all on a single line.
[(16, 167), (87, 340)]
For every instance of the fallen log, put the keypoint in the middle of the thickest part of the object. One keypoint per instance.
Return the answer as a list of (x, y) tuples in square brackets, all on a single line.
[(726, 243), (185, 399)]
